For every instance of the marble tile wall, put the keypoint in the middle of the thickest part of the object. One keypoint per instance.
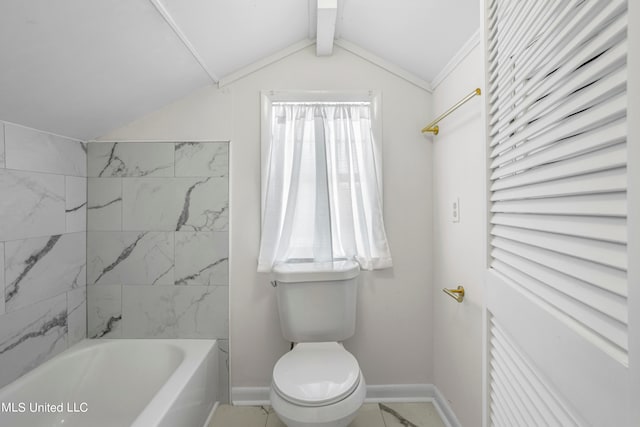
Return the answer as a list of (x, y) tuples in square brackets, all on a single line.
[(42, 247), (158, 240)]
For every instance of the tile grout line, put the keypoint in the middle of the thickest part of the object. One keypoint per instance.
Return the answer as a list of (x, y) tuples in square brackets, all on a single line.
[(4, 146), (266, 414), (175, 232), (121, 285)]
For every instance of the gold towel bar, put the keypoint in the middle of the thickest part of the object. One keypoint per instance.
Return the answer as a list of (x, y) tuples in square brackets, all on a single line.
[(433, 126), (457, 294)]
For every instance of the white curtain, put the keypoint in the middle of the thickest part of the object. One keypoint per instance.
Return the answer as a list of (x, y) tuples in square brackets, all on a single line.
[(323, 199)]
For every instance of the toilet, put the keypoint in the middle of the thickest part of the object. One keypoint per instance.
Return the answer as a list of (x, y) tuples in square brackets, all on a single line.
[(318, 383)]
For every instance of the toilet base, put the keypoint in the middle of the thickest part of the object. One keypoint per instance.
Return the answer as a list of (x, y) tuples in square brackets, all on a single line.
[(338, 414)]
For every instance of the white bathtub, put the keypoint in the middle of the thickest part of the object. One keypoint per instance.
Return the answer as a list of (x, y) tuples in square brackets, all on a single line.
[(137, 383)]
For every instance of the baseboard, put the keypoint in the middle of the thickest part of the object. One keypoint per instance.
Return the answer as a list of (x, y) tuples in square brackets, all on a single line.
[(408, 393), (258, 396), (399, 393), (444, 409), (250, 396)]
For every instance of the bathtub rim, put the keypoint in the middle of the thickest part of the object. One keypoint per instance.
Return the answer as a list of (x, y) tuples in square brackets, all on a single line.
[(195, 352)]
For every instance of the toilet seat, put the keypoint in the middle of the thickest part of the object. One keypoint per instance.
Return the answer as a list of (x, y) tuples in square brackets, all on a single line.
[(316, 374)]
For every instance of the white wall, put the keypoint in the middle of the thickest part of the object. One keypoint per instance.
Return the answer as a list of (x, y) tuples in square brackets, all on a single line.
[(393, 341), (458, 172)]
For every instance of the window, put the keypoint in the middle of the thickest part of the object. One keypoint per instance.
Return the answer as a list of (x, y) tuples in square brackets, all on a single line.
[(322, 180)]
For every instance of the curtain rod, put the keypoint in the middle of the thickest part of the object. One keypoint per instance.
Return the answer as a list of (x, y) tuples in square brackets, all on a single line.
[(321, 103), (433, 126)]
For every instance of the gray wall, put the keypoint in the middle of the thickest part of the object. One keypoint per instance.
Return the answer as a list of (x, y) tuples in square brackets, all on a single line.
[(42, 247)]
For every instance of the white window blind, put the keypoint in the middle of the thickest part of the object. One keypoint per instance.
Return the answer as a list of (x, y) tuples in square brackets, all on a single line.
[(557, 127)]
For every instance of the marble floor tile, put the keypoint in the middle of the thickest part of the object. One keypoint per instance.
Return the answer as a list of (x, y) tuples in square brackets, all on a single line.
[(273, 420), (240, 416), (369, 415), (410, 415)]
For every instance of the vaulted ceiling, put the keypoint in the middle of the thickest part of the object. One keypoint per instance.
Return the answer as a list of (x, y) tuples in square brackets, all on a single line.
[(83, 67)]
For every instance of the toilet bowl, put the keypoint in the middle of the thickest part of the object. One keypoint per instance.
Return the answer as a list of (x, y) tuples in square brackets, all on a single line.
[(317, 385)]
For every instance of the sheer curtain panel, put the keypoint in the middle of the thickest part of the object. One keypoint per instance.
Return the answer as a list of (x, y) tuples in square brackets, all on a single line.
[(323, 198)]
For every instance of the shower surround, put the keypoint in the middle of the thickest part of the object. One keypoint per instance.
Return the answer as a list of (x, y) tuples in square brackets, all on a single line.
[(158, 241), (137, 250), (43, 189)]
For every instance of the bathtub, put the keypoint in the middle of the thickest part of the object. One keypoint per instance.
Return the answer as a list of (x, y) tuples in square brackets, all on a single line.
[(100, 383)]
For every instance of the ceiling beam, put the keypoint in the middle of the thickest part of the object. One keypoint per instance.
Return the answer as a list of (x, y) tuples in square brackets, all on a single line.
[(183, 38), (326, 27)]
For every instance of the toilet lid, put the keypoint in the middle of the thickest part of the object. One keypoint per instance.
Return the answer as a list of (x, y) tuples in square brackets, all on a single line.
[(314, 374)]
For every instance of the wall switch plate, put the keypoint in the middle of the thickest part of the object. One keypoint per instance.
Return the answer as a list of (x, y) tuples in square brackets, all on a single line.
[(455, 213)]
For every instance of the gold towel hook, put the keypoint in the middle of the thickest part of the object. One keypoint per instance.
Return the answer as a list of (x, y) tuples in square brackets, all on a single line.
[(457, 294)]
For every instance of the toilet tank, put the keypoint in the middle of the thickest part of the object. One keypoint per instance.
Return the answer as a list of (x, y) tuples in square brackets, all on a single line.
[(317, 301)]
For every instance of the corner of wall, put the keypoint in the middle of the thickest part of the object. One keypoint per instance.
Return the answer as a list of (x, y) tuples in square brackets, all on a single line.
[(42, 247)]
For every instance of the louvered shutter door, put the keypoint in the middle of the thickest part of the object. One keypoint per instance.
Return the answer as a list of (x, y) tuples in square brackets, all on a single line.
[(518, 394), (557, 146), (557, 127)]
